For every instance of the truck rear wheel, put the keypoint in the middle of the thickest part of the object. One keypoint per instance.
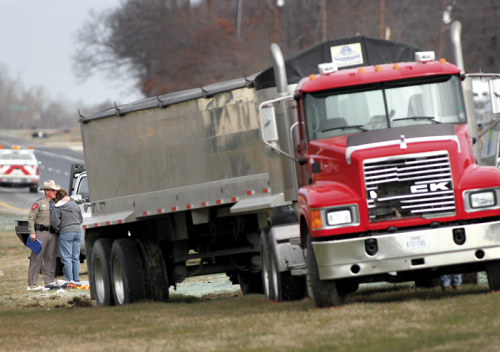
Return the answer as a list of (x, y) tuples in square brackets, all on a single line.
[(325, 292), (493, 273), (285, 286), (266, 267), (101, 279), (155, 272), (34, 189), (127, 277)]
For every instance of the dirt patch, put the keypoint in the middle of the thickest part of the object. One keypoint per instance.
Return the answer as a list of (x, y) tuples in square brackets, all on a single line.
[(80, 302), (223, 294)]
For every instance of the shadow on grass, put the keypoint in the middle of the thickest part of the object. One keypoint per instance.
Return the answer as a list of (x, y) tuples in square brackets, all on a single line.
[(396, 293)]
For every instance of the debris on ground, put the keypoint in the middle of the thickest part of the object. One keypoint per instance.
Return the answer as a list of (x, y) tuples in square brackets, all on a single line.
[(75, 302)]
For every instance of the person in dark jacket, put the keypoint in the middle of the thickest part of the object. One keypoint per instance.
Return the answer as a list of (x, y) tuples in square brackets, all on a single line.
[(66, 219)]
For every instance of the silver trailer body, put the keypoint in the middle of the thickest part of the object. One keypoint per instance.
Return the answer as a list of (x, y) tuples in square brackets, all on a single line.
[(189, 155)]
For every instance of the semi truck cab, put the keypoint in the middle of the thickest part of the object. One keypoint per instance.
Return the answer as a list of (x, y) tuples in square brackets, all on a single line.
[(389, 187)]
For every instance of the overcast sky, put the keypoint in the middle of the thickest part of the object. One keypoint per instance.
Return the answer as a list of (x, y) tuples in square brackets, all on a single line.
[(37, 42)]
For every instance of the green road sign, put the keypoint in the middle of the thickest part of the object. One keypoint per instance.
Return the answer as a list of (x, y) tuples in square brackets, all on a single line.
[(20, 107)]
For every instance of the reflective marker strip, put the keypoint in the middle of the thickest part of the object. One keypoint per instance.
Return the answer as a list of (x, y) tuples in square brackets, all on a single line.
[(104, 223), (177, 208)]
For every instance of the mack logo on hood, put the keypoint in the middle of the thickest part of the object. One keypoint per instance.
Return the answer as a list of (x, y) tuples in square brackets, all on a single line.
[(431, 187)]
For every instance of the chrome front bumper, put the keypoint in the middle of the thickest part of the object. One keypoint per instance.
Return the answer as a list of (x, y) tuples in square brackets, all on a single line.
[(409, 250)]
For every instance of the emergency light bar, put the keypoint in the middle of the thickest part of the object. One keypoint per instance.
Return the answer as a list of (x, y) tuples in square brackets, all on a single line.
[(17, 147), (425, 56)]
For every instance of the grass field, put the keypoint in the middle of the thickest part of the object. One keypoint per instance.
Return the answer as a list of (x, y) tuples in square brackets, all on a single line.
[(388, 318)]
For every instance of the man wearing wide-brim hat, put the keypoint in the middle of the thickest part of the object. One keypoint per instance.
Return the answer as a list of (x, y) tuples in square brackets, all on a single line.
[(40, 228)]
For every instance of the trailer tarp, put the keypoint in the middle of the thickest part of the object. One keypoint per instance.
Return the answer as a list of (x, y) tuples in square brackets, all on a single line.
[(347, 52), (373, 51)]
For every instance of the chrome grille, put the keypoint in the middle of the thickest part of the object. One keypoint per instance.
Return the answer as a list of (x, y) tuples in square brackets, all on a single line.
[(406, 186)]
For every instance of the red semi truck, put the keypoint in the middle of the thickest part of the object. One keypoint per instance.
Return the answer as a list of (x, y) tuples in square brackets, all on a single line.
[(389, 187), (351, 162)]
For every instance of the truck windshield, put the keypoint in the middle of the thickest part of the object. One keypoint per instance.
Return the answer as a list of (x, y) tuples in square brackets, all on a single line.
[(384, 105)]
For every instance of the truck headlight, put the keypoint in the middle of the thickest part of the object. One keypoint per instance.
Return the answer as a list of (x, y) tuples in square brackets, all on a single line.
[(482, 199), (339, 217), (334, 217)]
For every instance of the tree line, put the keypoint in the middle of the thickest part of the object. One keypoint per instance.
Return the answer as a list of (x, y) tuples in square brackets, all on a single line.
[(172, 45)]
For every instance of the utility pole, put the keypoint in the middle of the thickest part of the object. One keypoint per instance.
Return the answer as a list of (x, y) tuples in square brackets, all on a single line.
[(382, 10), (279, 3), (238, 19), (324, 27), (441, 31)]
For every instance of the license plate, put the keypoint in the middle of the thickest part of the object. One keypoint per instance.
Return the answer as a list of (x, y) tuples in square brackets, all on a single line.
[(16, 180), (417, 241)]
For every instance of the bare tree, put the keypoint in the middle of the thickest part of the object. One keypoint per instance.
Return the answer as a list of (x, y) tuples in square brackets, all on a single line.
[(170, 45)]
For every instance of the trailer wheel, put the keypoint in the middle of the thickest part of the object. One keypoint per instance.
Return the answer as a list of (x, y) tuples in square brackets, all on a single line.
[(285, 286), (325, 292), (155, 272), (493, 273), (127, 277), (266, 267), (101, 278)]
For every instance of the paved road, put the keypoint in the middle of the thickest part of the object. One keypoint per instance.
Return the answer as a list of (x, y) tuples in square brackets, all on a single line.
[(56, 164)]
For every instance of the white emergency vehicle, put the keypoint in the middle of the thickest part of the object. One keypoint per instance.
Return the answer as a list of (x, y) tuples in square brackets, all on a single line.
[(19, 168)]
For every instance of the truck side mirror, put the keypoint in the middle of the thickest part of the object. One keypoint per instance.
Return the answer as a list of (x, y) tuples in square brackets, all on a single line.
[(268, 123), (77, 198), (269, 128), (495, 95)]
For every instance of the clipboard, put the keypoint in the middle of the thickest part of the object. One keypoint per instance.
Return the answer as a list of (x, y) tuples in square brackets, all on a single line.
[(35, 246)]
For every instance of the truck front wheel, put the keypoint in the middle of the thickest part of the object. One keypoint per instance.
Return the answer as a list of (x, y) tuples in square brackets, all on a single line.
[(127, 277), (101, 278), (493, 273), (266, 267), (286, 287), (325, 292)]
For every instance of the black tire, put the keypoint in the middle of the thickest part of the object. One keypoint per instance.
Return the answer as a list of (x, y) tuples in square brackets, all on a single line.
[(266, 267), (325, 292), (250, 282), (155, 272), (285, 286), (34, 189), (493, 273), (127, 277), (101, 278)]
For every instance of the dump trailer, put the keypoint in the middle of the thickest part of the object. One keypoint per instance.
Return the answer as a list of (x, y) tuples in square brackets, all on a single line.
[(350, 162)]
